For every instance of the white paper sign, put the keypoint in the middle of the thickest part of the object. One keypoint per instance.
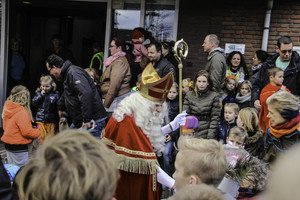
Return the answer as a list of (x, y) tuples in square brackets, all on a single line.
[(229, 47)]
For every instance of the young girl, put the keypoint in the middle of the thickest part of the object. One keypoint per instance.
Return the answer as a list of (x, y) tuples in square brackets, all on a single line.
[(248, 120), (228, 92), (18, 131), (203, 103), (243, 96), (236, 66), (173, 108), (186, 86), (46, 101)]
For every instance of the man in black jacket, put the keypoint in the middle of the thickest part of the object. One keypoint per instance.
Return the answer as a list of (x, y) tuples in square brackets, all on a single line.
[(80, 98), (288, 61)]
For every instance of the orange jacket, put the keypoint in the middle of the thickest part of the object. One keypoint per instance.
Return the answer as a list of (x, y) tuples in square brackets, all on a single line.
[(17, 125)]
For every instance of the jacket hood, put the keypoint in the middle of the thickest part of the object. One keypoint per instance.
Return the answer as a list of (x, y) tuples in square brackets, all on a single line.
[(10, 108), (64, 69), (219, 49)]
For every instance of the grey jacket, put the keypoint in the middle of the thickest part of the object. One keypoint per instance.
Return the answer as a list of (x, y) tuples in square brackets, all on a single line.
[(216, 66), (206, 108)]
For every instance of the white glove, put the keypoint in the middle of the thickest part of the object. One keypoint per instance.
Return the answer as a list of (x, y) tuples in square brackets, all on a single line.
[(178, 121)]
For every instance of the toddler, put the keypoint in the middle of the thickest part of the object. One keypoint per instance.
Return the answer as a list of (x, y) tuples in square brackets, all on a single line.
[(243, 96), (188, 130), (17, 126), (237, 137), (276, 80), (231, 111), (46, 101)]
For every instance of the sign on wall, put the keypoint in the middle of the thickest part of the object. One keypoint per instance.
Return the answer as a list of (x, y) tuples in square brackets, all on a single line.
[(229, 47)]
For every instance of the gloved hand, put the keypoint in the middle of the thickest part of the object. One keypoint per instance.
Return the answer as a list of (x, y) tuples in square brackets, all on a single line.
[(178, 121)]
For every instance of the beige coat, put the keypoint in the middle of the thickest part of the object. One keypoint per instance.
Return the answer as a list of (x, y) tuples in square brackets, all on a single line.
[(115, 80)]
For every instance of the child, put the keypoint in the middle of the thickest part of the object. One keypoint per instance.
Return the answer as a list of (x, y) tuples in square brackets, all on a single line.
[(231, 111), (229, 91), (18, 131), (237, 137), (203, 103), (188, 130), (248, 120), (173, 106), (138, 84), (186, 86), (276, 80), (243, 96), (137, 39), (46, 101)]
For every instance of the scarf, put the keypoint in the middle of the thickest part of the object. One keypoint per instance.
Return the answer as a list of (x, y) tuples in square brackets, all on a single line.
[(286, 128), (256, 67), (242, 99), (110, 59)]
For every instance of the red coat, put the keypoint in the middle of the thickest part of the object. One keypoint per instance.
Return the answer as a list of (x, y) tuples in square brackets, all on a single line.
[(138, 164)]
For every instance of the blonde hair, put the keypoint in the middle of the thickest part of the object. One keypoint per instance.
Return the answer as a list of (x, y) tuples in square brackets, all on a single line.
[(234, 106), (71, 165), (46, 79), (249, 117), (176, 87), (246, 82), (204, 158), (209, 80), (238, 132), (198, 192), (283, 100), (20, 95), (96, 76)]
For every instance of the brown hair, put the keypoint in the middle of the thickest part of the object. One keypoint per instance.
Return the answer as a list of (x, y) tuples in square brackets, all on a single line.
[(273, 71), (209, 80)]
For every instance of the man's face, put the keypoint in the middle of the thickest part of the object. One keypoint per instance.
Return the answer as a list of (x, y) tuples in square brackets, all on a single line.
[(153, 54), (54, 71), (181, 179), (207, 45), (285, 52)]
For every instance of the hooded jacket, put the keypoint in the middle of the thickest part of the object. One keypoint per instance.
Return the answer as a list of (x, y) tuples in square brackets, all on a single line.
[(17, 125)]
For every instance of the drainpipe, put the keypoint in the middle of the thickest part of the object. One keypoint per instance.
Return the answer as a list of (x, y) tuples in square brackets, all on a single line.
[(264, 45)]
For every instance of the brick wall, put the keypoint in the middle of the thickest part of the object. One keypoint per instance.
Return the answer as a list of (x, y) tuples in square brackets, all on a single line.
[(235, 22)]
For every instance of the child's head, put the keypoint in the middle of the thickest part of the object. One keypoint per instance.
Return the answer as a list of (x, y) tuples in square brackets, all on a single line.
[(229, 84), (276, 76), (231, 111), (237, 137), (247, 119), (47, 83), (245, 88), (186, 85), (208, 162), (173, 92), (202, 81), (93, 74), (188, 130)]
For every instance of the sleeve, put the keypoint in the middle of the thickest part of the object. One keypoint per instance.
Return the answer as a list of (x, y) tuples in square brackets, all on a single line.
[(143, 50), (214, 119), (61, 102), (25, 126), (117, 75), (164, 179), (216, 72), (257, 87), (186, 104), (37, 99), (218, 132)]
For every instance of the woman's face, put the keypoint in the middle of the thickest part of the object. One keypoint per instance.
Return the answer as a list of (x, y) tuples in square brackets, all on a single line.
[(255, 60), (275, 117), (202, 83), (235, 60), (113, 48)]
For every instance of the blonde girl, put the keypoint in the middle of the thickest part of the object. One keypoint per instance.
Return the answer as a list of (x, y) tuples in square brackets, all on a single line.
[(17, 126), (243, 96), (46, 102)]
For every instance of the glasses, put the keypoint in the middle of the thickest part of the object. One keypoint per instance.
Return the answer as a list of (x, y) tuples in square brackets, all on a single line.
[(285, 51)]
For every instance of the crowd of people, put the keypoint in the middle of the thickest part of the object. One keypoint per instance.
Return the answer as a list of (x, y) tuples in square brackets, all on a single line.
[(122, 125)]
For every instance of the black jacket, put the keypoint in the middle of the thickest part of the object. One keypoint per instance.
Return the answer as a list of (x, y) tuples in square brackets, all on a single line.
[(291, 76), (80, 98), (163, 67), (47, 105), (223, 129), (173, 112)]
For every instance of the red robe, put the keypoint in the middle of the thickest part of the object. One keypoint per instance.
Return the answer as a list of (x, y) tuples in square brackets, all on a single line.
[(266, 92), (138, 165)]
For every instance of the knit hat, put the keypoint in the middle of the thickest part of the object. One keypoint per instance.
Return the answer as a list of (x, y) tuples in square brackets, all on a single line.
[(191, 123), (136, 34)]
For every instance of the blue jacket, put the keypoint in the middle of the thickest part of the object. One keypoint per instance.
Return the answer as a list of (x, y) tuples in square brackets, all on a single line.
[(223, 129)]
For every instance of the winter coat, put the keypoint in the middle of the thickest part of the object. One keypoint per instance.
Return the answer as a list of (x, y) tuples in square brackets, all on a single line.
[(80, 98), (291, 76), (173, 112), (17, 125), (163, 67), (223, 129), (216, 66), (206, 108), (47, 107), (115, 80)]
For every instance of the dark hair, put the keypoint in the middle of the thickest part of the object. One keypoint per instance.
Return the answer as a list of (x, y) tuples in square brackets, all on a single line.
[(97, 45), (284, 40), (168, 45), (262, 55), (157, 46), (147, 34), (129, 53), (120, 43), (54, 59), (56, 36), (242, 63)]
